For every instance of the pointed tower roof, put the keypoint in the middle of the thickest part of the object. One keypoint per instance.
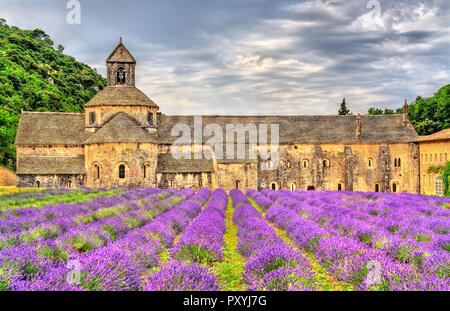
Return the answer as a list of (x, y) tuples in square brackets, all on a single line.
[(121, 55)]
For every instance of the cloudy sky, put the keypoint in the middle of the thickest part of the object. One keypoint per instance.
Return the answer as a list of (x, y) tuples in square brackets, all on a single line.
[(260, 56)]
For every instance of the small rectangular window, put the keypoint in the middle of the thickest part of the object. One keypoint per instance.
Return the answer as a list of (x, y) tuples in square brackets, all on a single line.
[(91, 117), (150, 118)]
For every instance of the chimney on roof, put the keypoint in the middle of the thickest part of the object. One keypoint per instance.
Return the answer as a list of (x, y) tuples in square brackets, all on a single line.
[(405, 114), (358, 126)]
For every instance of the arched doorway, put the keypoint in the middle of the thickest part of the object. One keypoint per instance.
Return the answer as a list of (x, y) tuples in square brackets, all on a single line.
[(237, 184), (377, 187), (293, 186), (310, 188), (37, 184), (146, 171), (395, 187), (274, 186), (171, 183)]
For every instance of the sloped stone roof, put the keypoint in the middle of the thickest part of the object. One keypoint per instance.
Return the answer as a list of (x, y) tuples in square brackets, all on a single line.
[(168, 164), (441, 135), (307, 129), (121, 55), (51, 165), (121, 129), (37, 128), (120, 96), (51, 128)]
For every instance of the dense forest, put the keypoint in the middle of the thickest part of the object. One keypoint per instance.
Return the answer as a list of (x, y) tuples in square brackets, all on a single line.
[(35, 75)]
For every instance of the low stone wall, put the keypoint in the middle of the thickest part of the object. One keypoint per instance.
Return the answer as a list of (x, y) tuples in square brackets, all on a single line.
[(50, 181)]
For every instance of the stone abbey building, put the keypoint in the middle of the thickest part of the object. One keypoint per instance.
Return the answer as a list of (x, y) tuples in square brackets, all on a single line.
[(122, 141)]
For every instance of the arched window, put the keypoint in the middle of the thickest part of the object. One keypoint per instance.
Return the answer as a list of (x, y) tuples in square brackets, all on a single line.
[(171, 183), (122, 171), (426, 158), (37, 184), (237, 184), (269, 164), (370, 163), (339, 186), (69, 184), (146, 171), (273, 186), (121, 75), (293, 186), (395, 162), (96, 172), (395, 187), (305, 163), (201, 182), (377, 187), (326, 163), (424, 178), (288, 164), (399, 162), (440, 156), (150, 118), (445, 157), (439, 185)]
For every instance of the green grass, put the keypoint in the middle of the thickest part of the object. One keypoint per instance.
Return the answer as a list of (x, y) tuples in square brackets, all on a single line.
[(230, 270), (322, 279)]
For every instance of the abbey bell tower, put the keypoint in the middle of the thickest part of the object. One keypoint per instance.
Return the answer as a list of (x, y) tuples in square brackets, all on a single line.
[(121, 67), (120, 95)]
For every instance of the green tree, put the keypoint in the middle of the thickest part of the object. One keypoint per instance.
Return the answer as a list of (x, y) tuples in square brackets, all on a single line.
[(446, 179), (343, 110), (375, 111), (34, 76)]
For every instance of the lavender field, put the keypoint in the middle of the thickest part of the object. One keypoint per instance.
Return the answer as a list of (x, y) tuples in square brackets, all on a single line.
[(179, 240)]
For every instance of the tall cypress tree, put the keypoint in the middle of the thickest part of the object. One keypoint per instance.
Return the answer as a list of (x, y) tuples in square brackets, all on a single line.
[(343, 110)]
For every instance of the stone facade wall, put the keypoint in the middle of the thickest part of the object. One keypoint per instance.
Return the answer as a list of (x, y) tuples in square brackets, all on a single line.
[(50, 181), (111, 155), (246, 174), (185, 180), (432, 154), (345, 165)]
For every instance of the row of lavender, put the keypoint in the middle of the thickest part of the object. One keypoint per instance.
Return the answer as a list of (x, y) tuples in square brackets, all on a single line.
[(29, 225), (271, 263), (200, 245), (421, 241), (347, 243), (109, 253)]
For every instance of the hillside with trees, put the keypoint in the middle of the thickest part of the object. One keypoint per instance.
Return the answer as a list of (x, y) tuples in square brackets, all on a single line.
[(36, 76), (427, 115)]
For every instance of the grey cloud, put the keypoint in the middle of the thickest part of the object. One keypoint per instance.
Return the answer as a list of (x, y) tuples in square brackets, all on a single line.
[(188, 50)]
